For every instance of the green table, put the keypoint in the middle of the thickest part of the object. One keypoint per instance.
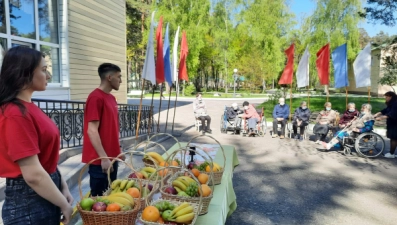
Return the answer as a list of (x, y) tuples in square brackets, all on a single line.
[(223, 203)]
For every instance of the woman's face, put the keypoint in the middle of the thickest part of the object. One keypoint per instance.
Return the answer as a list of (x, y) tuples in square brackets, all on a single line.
[(387, 98), (304, 105), (40, 77), (352, 108)]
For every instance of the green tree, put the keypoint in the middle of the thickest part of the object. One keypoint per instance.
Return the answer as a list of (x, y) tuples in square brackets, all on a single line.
[(383, 11)]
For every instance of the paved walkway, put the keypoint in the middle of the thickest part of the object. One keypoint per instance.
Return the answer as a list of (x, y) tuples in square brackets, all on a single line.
[(291, 182)]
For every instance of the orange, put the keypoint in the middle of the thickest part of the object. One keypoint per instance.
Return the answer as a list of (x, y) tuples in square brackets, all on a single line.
[(160, 220), (196, 172), (113, 207), (163, 172), (174, 163), (206, 190), (203, 178), (163, 164), (151, 214), (134, 192), (139, 175)]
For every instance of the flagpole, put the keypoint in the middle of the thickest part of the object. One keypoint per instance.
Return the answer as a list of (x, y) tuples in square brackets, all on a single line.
[(176, 99), (169, 101), (290, 102), (327, 93), (158, 120), (139, 112), (308, 97), (151, 111), (369, 94), (346, 96)]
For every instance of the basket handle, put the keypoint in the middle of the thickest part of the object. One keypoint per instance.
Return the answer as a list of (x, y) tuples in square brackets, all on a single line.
[(132, 169), (167, 134), (173, 154), (223, 151), (90, 162)]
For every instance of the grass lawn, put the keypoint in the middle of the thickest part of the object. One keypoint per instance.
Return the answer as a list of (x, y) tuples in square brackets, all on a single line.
[(317, 104), (211, 95)]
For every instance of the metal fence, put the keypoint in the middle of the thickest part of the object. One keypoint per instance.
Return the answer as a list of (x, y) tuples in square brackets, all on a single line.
[(69, 118)]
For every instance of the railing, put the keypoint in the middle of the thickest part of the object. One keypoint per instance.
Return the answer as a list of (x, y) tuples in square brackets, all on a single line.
[(69, 118)]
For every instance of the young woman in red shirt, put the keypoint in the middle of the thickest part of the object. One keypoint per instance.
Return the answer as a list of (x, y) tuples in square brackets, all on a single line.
[(35, 191)]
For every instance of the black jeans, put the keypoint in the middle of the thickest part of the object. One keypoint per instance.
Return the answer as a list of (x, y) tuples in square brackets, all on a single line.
[(23, 206), (282, 122), (203, 119), (99, 180), (301, 127)]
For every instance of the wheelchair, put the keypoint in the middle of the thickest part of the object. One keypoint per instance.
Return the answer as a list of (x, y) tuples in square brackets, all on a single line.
[(228, 124), (368, 144), (261, 125)]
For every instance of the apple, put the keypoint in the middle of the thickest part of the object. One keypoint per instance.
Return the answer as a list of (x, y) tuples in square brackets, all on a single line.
[(99, 207), (87, 203), (171, 190), (132, 175)]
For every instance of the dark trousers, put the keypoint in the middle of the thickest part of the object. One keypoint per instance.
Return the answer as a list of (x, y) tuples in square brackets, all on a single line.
[(99, 180), (22, 205), (276, 122), (203, 119), (320, 137), (301, 127)]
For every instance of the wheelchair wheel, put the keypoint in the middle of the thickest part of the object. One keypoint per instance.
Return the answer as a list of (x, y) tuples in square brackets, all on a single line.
[(223, 125), (369, 144)]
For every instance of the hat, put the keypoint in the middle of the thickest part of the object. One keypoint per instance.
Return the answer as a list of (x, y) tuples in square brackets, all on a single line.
[(234, 105)]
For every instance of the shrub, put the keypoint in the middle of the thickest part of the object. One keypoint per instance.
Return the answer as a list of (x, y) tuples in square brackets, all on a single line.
[(189, 90)]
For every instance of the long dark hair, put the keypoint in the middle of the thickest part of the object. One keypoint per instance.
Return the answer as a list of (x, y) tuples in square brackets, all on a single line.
[(16, 73), (393, 97)]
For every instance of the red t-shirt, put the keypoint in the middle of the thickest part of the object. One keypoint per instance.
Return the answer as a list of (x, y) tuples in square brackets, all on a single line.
[(102, 107), (26, 135)]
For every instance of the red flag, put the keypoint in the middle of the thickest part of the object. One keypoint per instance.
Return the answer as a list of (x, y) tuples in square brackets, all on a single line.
[(183, 56), (160, 56), (322, 64), (286, 77)]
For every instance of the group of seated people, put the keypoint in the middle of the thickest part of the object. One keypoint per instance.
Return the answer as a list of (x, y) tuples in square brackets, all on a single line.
[(351, 121)]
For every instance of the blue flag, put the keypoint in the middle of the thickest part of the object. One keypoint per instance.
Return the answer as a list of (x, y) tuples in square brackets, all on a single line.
[(339, 59), (167, 60)]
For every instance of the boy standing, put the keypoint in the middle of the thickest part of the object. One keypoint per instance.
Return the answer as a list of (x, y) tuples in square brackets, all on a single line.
[(101, 129)]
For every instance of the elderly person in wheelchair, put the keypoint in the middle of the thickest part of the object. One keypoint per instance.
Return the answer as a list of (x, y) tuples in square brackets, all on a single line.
[(252, 116), (232, 115), (361, 124)]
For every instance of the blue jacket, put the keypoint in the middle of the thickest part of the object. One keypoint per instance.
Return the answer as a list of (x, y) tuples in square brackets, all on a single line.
[(281, 111)]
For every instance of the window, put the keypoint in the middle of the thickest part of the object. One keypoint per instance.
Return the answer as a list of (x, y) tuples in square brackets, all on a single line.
[(32, 23)]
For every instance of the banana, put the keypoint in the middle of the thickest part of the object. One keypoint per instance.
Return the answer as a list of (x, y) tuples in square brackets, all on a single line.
[(118, 199), (217, 166), (116, 183), (184, 211), (183, 181), (155, 156), (180, 185), (115, 190), (145, 174), (129, 184), (188, 179), (180, 207), (124, 195), (185, 218), (177, 189), (149, 169), (123, 184)]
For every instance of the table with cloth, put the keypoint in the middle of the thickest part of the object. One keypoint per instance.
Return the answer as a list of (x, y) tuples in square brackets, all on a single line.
[(223, 203)]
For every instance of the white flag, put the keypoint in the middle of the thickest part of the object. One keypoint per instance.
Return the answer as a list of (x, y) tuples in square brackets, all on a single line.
[(175, 57), (149, 70), (302, 74), (362, 68)]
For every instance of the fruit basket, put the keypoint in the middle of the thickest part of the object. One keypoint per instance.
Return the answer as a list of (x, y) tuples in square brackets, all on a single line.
[(189, 185), (149, 183), (114, 209), (157, 159), (216, 169), (164, 211)]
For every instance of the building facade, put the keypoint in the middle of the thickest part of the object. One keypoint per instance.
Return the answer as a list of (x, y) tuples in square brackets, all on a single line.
[(76, 36)]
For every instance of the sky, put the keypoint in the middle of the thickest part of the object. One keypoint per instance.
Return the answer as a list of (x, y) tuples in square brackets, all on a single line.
[(306, 7)]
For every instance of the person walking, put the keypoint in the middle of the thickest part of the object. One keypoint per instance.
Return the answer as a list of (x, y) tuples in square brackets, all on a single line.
[(101, 129), (35, 191), (390, 114), (280, 116)]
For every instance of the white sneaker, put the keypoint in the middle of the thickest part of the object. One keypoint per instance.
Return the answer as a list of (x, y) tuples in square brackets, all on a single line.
[(390, 156)]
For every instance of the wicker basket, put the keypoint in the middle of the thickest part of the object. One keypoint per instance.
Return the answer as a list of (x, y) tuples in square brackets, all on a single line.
[(108, 218), (205, 200), (218, 174), (149, 162), (176, 203)]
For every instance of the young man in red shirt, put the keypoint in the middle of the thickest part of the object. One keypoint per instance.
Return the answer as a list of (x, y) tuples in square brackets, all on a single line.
[(101, 129)]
